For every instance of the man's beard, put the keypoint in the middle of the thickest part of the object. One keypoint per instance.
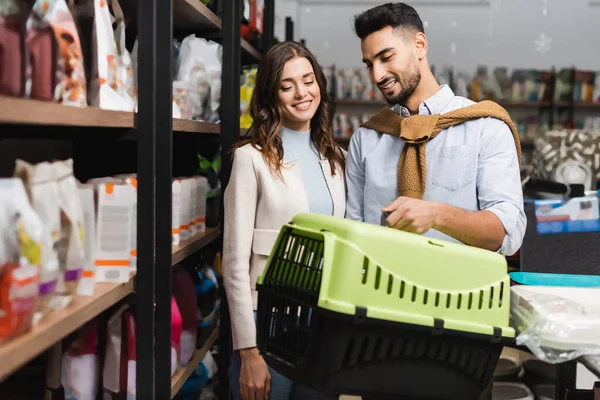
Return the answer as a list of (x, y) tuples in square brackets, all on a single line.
[(408, 85)]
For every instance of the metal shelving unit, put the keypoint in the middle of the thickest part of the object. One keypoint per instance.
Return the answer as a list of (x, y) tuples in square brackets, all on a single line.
[(144, 142)]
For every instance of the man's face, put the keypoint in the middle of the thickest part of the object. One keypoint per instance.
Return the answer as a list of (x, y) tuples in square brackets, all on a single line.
[(392, 61)]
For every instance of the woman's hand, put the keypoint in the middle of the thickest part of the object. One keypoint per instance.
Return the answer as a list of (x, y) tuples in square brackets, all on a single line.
[(255, 379)]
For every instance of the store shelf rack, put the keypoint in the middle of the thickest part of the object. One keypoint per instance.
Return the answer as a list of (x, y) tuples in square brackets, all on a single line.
[(151, 129)]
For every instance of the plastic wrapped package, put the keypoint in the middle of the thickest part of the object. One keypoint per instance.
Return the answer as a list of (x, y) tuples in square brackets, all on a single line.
[(42, 191), (199, 69), (71, 86), (185, 295), (87, 283), (12, 48), (557, 324), (20, 257), (81, 365), (118, 376), (71, 252)]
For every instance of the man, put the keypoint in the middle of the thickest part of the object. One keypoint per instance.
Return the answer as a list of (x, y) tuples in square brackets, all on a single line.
[(454, 177)]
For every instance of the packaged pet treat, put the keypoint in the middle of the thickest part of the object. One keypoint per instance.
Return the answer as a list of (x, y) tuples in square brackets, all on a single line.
[(12, 48), (71, 84), (42, 191), (71, 251), (115, 200), (185, 295), (20, 257), (126, 88), (42, 52), (80, 364), (88, 276)]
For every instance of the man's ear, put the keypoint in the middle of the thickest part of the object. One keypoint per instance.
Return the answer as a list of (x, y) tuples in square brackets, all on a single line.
[(421, 45)]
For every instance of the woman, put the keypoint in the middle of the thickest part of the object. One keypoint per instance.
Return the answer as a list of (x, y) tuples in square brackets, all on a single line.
[(288, 163)]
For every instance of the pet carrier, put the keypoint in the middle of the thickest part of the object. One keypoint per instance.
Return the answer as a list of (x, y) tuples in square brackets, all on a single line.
[(348, 307)]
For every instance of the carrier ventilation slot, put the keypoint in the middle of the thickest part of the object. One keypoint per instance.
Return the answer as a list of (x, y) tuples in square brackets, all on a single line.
[(377, 278), (390, 284), (365, 270), (491, 297)]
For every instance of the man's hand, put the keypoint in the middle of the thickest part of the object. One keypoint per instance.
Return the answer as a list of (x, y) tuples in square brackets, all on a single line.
[(412, 215)]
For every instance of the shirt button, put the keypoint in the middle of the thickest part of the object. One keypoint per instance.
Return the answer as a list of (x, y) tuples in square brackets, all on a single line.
[(405, 112)]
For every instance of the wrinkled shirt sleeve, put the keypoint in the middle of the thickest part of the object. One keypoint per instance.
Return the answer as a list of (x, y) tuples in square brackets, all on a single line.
[(499, 183), (355, 180)]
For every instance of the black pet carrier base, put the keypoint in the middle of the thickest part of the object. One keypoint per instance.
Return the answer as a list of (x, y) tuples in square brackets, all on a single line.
[(337, 354)]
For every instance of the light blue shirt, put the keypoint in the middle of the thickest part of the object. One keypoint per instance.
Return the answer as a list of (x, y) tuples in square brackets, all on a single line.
[(473, 166), (299, 148)]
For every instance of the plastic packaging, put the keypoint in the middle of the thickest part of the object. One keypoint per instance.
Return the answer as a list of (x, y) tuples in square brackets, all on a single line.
[(557, 324), (80, 364), (43, 193), (41, 70), (71, 253), (20, 257), (71, 83), (185, 295), (119, 356), (199, 69), (107, 89), (115, 202), (87, 283), (12, 48)]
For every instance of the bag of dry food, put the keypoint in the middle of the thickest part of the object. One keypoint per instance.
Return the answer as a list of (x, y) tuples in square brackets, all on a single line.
[(71, 254), (43, 193), (81, 364), (71, 84), (12, 48), (87, 283), (20, 257), (42, 53), (126, 84)]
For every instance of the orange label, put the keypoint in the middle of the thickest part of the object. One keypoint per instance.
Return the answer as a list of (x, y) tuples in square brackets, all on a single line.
[(113, 263), (87, 274), (200, 220), (133, 253), (109, 188), (175, 231), (184, 227)]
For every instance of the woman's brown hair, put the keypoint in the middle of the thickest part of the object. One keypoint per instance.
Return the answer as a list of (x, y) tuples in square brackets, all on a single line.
[(266, 113)]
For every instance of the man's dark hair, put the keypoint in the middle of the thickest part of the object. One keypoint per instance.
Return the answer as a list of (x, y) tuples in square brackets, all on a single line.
[(395, 15)]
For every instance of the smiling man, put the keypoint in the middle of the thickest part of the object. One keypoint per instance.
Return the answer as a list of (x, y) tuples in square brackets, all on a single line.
[(439, 164)]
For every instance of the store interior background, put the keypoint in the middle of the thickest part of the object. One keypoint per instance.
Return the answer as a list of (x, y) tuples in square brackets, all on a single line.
[(464, 35)]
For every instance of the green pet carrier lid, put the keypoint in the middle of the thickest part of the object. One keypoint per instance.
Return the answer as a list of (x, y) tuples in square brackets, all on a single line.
[(372, 271)]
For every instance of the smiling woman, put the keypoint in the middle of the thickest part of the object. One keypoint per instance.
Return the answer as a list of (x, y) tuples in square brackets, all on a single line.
[(287, 164)]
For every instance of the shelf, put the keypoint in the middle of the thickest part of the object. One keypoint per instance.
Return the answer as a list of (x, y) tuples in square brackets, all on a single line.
[(184, 125), (194, 15), (183, 373), (247, 47), (14, 110), (587, 104), (194, 244), (58, 324)]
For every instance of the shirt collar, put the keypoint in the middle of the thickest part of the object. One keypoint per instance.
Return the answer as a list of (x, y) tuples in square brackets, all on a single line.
[(433, 105)]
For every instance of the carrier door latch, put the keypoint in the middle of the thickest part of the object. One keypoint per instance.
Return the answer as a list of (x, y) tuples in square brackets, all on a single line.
[(360, 315)]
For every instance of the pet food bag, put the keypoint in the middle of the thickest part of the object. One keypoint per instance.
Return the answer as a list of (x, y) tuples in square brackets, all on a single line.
[(80, 364), (12, 48), (20, 257), (109, 69), (42, 191), (185, 295), (42, 54), (70, 73), (116, 218), (71, 250), (87, 283), (119, 356)]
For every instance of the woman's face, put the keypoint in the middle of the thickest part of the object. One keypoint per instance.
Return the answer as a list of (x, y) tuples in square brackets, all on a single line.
[(299, 94)]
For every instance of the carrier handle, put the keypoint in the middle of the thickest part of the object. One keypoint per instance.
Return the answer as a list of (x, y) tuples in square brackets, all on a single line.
[(384, 216)]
